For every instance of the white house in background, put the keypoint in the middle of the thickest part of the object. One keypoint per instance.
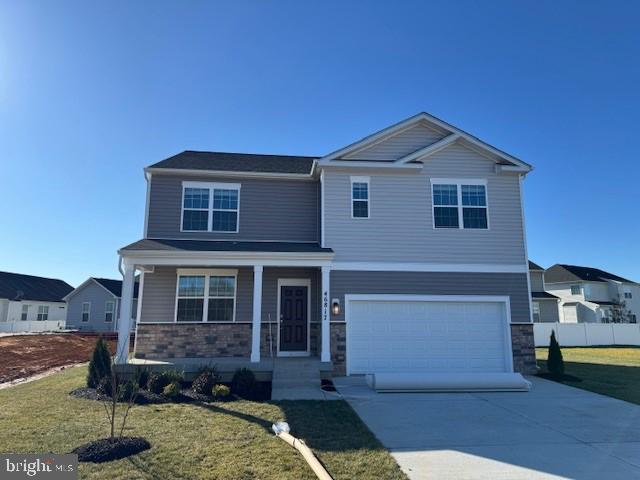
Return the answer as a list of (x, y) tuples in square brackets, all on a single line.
[(544, 305), (587, 294), (26, 298)]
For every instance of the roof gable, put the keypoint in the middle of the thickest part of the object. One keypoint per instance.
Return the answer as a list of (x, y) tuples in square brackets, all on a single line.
[(16, 286), (113, 287), (414, 140)]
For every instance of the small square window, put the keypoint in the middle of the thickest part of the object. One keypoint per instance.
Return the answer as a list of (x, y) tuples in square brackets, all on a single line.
[(576, 290)]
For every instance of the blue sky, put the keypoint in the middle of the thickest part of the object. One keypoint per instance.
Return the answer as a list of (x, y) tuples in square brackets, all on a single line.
[(90, 93)]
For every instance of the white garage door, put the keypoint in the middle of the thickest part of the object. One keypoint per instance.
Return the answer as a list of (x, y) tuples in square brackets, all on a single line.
[(420, 334)]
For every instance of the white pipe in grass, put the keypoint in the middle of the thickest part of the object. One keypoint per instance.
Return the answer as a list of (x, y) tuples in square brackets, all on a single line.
[(281, 429)]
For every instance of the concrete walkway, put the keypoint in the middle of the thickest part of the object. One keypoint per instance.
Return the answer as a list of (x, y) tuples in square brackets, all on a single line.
[(552, 432), (297, 379)]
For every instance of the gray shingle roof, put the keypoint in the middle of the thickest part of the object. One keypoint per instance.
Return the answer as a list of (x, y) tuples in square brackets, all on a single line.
[(224, 246), (543, 295), (572, 273), (16, 286), (534, 266), (115, 286), (238, 162)]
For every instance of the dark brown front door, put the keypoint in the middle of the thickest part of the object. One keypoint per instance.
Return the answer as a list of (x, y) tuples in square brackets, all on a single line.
[(293, 319)]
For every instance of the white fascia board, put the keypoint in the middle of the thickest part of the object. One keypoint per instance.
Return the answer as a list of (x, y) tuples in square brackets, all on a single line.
[(371, 164), (428, 267), (224, 173), (429, 149), (270, 259)]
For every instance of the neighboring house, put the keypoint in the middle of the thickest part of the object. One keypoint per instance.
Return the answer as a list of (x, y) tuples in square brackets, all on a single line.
[(30, 298), (587, 294), (403, 252), (95, 305), (544, 305)]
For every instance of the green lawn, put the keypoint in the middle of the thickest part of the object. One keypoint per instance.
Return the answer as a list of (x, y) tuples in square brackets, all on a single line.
[(221, 441), (612, 371)]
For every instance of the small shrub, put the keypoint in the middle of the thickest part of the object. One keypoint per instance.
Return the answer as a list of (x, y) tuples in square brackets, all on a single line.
[(173, 376), (127, 390), (157, 382), (99, 365), (203, 384), (143, 377), (104, 386), (555, 362), (221, 392), (244, 383), (172, 390)]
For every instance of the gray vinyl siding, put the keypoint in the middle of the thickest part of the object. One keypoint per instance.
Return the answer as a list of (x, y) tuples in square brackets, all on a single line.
[(159, 296), (433, 283), (400, 227), (549, 312), (283, 210), (97, 296), (158, 300), (537, 283), (402, 144)]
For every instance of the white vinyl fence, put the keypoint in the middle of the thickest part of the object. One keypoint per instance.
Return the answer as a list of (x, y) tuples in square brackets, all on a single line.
[(32, 326), (587, 334)]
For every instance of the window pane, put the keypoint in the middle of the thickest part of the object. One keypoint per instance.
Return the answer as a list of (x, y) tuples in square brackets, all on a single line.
[(445, 195), (360, 209), (474, 195), (225, 221), (190, 309), (360, 191), (446, 217), (220, 310), (191, 286), (474, 217), (222, 286), (196, 198), (195, 220), (225, 199), (108, 317)]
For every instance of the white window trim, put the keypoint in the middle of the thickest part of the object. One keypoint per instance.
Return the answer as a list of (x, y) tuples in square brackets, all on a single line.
[(458, 182), (88, 312), (44, 313), (366, 180), (112, 311), (24, 311), (211, 187), (182, 272)]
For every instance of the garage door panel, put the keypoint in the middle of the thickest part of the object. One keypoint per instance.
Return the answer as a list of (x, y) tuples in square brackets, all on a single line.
[(433, 336)]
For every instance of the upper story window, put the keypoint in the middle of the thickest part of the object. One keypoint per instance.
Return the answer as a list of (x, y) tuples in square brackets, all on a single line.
[(576, 290), (86, 310), (210, 207), (25, 312), (43, 313), (360, 197), (109, 309), (535, 309), (206, 296), (459, 204), (628, 295)]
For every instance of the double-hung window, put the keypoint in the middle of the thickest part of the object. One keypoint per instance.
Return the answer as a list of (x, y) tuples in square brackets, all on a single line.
[(576, 290), (360, 197), (25, 312), (86, 311), (535, 307), (628, 295), (43, 313), (210, 207), (459, 204), (206, 296), (109, 310)]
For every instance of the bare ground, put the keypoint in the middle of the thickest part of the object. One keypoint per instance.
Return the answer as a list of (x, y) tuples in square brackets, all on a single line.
[(26, 355)]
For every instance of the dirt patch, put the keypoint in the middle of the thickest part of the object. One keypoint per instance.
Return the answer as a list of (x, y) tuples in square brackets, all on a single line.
[(27, 355), (107, 449)]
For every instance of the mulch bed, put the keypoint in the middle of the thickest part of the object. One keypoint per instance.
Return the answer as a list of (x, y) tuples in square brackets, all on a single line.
[(144, 397), (107, 449)]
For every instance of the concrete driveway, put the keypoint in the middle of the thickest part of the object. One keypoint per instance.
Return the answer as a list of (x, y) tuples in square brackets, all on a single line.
[(552, 432)]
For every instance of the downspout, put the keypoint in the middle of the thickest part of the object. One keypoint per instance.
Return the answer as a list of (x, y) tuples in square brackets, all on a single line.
[(281, 429)]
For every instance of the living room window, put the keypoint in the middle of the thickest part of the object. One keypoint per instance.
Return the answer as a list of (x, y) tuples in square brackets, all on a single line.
[(359, 197), (43, 313), (210, 207), (109, 309), (459, 204), (206, 296)]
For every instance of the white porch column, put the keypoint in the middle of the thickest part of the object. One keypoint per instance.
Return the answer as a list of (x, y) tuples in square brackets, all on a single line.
[(124, 320), (325, 355), (257, 313)]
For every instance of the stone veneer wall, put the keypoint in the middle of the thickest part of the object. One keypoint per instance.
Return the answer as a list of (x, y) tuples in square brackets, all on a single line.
[(175, 340), (339, 348), (524, 350)]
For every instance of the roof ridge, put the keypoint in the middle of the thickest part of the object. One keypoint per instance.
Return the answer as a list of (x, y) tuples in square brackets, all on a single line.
[(254, 154)]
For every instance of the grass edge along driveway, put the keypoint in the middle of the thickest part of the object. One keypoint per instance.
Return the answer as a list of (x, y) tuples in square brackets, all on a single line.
[(218, 441)]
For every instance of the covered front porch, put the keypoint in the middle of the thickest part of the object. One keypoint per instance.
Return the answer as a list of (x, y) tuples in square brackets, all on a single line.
[(226, 303)]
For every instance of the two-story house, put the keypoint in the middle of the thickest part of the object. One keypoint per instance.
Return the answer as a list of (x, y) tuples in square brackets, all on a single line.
[(544, 305), (402, 252), (587, 293)]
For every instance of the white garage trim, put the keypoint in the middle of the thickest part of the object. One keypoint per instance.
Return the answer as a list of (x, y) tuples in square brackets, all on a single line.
[(504, 299)]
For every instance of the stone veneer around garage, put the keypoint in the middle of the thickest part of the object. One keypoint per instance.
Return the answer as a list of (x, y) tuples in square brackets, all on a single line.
[(524, 350)]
